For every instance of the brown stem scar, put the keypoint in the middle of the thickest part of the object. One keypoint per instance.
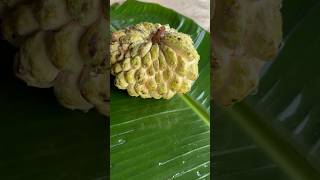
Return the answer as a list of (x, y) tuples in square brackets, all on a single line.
[(157, 36)]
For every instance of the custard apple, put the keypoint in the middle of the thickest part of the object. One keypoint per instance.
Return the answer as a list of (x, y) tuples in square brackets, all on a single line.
[(246, 34), (62, 44), (153, 60)]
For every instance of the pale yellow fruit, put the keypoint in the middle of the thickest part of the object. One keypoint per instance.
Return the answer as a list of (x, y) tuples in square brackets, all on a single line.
[(153, 61), (246, 34), (63, 44)]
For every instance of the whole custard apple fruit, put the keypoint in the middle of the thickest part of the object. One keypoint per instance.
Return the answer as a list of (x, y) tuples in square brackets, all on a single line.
[(62, 45), (153, 61)]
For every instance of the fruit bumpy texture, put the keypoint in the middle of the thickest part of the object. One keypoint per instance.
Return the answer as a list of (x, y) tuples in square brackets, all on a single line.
[(246, 34), (153, 61), (62, 44)]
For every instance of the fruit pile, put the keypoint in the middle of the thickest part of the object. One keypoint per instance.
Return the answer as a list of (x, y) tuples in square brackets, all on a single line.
[(62, 44)]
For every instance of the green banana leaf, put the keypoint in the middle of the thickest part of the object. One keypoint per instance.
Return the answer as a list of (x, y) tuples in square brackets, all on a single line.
[(161, 139), (274, 134), (39, 139)]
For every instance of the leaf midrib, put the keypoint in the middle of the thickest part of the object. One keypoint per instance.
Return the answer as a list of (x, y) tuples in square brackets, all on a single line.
[(196, 107), (276, 146)]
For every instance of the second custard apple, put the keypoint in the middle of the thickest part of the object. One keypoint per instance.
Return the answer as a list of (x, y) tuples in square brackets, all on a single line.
[(153, 60), (246, 35), (62, 45)]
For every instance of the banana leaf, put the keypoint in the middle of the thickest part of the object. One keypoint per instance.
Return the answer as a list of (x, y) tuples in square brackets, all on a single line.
[(274, 134), (161, 139)]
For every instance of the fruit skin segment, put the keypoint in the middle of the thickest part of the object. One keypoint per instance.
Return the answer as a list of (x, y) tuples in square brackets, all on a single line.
[(153, 61), (62, 44), (246, 34)]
